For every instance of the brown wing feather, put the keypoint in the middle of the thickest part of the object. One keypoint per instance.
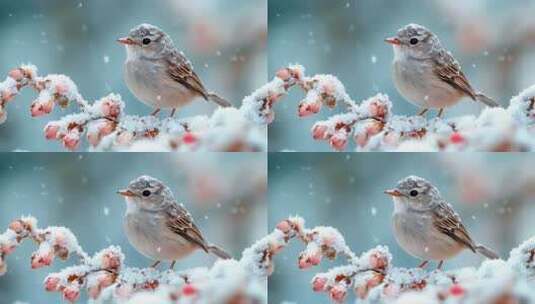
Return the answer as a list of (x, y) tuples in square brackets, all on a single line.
[(181, 222), (180, 70), (449, 70), (449, 222)]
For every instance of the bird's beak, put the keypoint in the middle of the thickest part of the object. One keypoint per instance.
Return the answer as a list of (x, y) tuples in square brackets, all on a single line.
[(127, 41), (126, 193), (393, 41), (394, 192)]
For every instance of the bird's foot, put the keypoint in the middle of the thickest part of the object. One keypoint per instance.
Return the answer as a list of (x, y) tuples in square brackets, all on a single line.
[(440, 112), (156, 112), (155, 264), (173, 113), (422, 113), (424, 263), (172, 265), (439, 267)]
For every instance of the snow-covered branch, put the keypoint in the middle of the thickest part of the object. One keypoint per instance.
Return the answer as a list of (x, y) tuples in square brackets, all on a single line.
[(370, 276), (104, 276), (374, 127), (107, 127)]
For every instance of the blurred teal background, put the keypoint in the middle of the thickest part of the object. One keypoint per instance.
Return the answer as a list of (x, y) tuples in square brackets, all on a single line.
[(224, 40), (492, 39), (78, 191), (493, 193)]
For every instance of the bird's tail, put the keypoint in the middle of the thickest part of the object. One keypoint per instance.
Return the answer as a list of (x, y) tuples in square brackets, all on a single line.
[(222, 102), (486, 252), (220, 253), (486, 100)]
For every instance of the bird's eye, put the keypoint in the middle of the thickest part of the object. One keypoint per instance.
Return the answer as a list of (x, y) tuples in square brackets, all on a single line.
[(146, 193), (146, 41), (414, 41), (414, 193)]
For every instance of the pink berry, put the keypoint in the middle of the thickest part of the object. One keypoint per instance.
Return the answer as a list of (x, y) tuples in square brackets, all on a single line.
[(319, 132), (456, 290), (71, 293), (457, 138), (338, 293), (339, 141), (189, 290), (318, 284), (52, 283), (189, 138)]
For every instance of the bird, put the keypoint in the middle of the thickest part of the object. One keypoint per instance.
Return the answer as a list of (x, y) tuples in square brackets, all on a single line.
[(158, 74), (428, 75), (158, 227), (426, 226)]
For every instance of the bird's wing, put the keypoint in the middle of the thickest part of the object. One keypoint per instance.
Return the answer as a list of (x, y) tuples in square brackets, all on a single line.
[(448, 222), (181, 70), (449, 70), (180, 222)]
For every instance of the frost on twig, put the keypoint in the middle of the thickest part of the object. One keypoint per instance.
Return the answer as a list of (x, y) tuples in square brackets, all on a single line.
[(106, 126), (373, 126), (370, 276)]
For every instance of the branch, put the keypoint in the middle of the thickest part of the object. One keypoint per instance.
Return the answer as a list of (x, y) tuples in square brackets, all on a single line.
[(371, 275), (106, 126), (374, 127)]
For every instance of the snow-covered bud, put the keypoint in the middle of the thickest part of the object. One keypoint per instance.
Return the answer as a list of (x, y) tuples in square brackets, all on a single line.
[(16, 74), (309, 108), (309, 258), (319, 283), (71, 140), (111, 108), (338, 293), (284, 74), (52, 283), (284, 226), (319, 131), (41, 107), (378, 260), (52, 131), (339, 141), (42, 258), (71, 293)]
